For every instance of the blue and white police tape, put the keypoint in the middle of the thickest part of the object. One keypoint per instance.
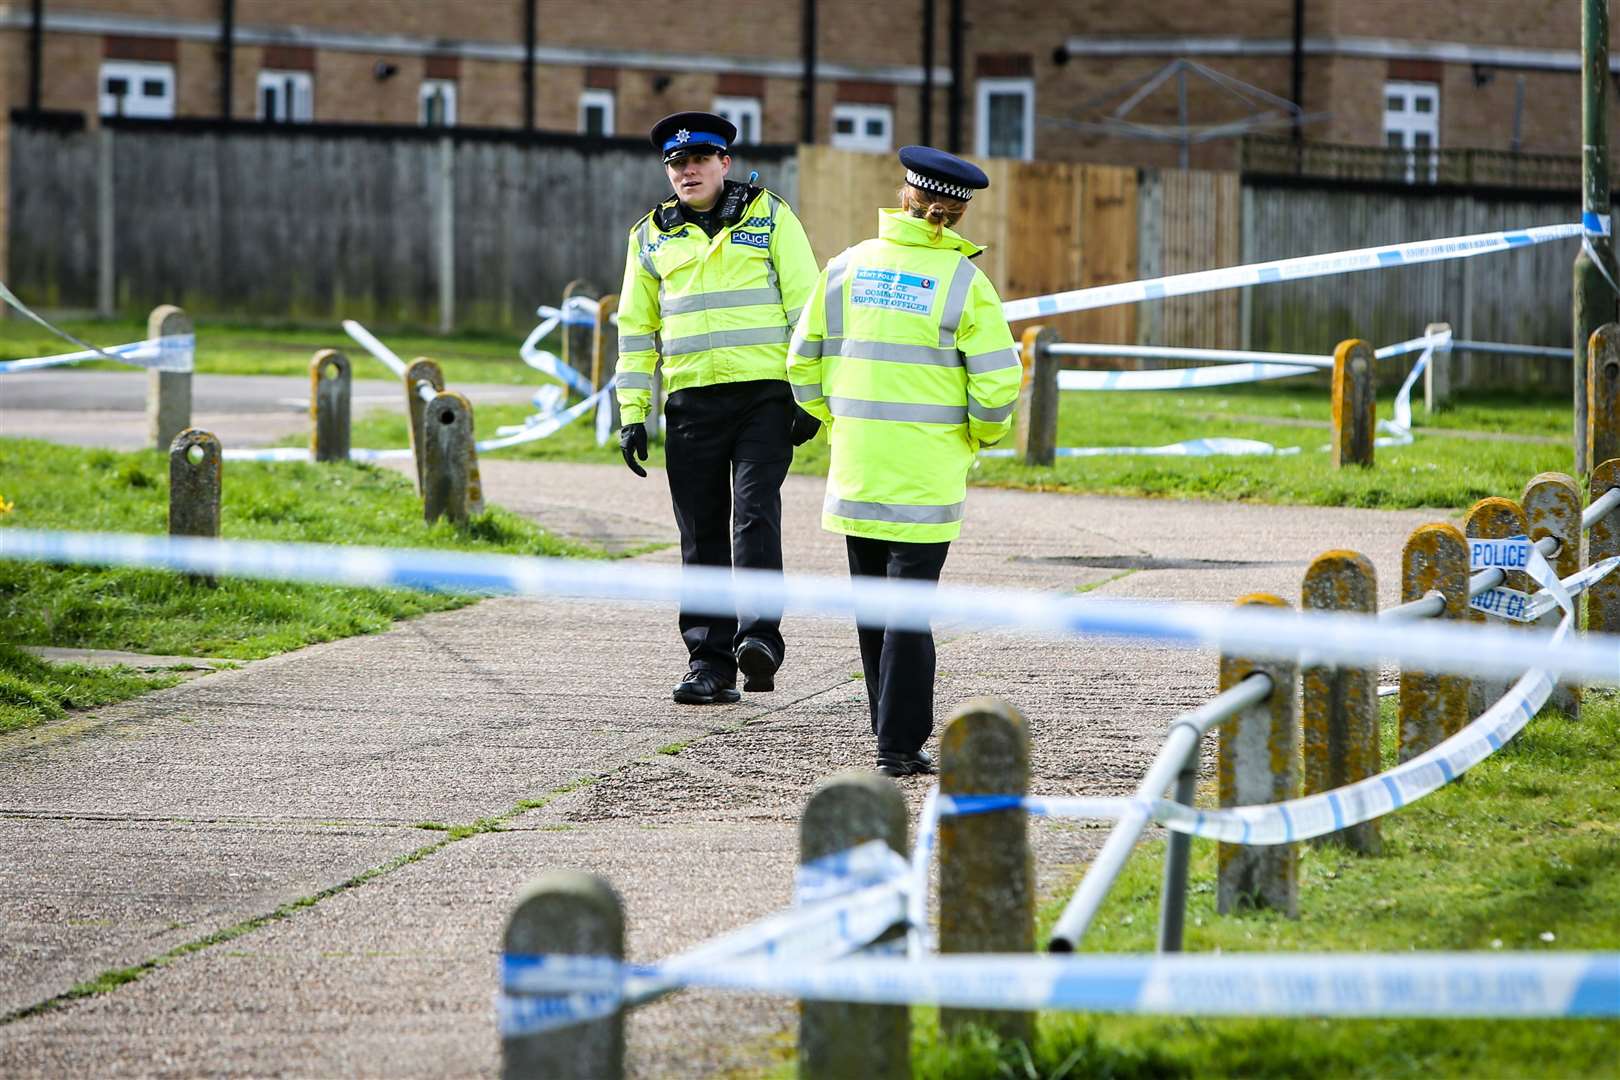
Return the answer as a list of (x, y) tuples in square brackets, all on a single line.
[(172, 352), (1402, 984), (1179, 378), (574, 313), (369, 342), (1212, 447), (922, 856), (1344, 639), (1296, 269)]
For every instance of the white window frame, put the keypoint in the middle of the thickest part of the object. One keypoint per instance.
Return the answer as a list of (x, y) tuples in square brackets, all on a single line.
[(295, 90), (984, 90), (597, 99), (1403, 120), (743, 112), (445, 91), (136, 103), (860, 115)]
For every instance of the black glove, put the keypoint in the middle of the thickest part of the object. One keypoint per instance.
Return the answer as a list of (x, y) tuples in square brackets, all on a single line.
[(805, 426), (633, 444)]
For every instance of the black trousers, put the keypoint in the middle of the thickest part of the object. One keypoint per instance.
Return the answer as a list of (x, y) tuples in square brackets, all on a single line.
[(898, 664), (727, 449)]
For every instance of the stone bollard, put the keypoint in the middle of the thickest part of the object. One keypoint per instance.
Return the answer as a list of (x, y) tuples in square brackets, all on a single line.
[(1495, 519), (578, 328), (1257, 762), (450, 483), (1602, 542), (417, 371), (1038, 398), (605, 359), (986, 874), (330, 383), (194, 484), (1433, 706), (1339, 706), (565, 912), (1552, 507), (168, 393), (1603, 394), (1354, 404), (840, 1039), (1437, 377)]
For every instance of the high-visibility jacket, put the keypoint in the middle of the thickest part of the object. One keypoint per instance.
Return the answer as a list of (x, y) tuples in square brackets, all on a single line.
[(716, 310), (903, 351)]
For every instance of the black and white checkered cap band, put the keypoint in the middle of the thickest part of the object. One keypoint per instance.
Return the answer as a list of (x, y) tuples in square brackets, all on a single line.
[(928, 183)]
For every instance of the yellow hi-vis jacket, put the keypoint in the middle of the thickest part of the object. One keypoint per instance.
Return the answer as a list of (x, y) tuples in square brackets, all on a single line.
[(716, 310), (903, 351)]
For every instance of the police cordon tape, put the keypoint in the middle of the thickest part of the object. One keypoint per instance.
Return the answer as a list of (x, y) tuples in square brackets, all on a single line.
[(1276, 270), (1344, 639), (171, 352)]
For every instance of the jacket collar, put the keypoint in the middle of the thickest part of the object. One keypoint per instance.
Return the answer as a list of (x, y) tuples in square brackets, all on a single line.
[(900, 227)]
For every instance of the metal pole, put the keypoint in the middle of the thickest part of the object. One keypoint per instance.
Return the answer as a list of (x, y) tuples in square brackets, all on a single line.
[(447, 235), (1177, 853), (105, 280), (530, 29), (1594, 299)]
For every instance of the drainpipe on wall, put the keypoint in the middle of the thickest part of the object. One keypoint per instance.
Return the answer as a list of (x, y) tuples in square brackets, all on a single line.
[(954, 129), (927, 110), (531, 22), (227, 56), (36, 49), (1299, 66), (807, 125)]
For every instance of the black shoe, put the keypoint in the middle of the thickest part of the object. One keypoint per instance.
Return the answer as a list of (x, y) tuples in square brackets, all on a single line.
[(758, 665), (899, 763), (704, 687)]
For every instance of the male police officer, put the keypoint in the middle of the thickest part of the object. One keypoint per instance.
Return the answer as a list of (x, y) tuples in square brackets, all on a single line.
[(714, 280)]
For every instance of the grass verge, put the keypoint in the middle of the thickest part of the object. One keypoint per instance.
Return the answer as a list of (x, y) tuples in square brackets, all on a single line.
[(34, 691)]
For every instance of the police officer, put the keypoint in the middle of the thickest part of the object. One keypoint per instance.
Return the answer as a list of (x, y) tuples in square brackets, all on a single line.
[(903, 351), (714, 280)]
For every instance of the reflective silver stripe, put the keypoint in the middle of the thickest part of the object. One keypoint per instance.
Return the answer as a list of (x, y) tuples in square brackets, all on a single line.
[(643, 237), (905, 411), (955, 303), (632, 380), (636, 342), (897, 513), (808, 349), (806, 393), (722, 339), (714, 301), (993, 361), (835, 294), (775, 205), (793, 316), (984, 412), (898, 353)]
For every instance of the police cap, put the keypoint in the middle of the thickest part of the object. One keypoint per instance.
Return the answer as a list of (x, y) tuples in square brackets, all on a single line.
[(942, 173), (686, 133)]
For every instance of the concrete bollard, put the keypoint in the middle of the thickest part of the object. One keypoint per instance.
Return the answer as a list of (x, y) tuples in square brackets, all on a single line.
[(1603, 394), (1038, 398), (1433, 706), (1602, 542), (194, 484), (986, 874), (841, 1039), (330, 385), (1354, 404), (1494, 518), (565, 912), (1437, 377), (1339, 706), (1257, 761), (168, 393), (450, 483), (1552, 507), (605, 357), (578, 328), (417, 371)]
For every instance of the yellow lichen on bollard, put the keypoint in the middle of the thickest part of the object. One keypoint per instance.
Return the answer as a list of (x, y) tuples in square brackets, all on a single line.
[(1552, 507), (1433, 706), (1339, 706), (418, 371), (329, 390), (1603, 394), (1494, 519), (1258, 763), (1602, 542), (1354, 404)]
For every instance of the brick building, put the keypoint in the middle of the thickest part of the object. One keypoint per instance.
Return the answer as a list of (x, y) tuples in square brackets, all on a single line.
[(1025, 78)]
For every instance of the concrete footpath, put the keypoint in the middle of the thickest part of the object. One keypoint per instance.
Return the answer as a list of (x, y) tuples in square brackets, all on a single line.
[(278, 835)]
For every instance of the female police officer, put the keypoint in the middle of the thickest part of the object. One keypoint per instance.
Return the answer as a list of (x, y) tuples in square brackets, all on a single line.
[(902, 349), (713, 281)]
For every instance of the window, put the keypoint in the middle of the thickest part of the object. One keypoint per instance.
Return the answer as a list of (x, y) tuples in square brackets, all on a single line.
[(862, 127), (596, 112), (286, 96), (436, 103), (137, 88), (1412, 123), (743, 112), (1005, 126)]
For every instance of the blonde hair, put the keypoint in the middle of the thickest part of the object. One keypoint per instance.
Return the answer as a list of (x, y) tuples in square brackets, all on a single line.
[(941, 211)]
